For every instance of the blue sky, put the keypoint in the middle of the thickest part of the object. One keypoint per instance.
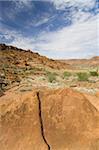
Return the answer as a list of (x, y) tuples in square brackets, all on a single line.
[(55, 28)]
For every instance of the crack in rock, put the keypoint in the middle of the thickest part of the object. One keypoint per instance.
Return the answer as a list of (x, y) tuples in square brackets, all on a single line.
[(41, 121)]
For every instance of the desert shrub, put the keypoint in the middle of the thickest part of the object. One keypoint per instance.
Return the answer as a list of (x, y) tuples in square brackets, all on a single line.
[(15, 72), (5, 65), (32, 71), (66, 74), (48, 72), (54, 73), (82, 76), (29, 70), (18, 79), (94, 73), (51, 77)]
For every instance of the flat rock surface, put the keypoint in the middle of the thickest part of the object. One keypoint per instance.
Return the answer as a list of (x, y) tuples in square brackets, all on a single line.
[(19, 122), (70, 120)]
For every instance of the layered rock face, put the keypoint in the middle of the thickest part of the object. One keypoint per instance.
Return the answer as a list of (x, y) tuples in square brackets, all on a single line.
[(60, 119)]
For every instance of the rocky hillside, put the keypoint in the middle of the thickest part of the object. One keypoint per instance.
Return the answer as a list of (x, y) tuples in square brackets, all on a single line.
[(16, 64), (11, 56), (92, 62), (60, 119), (21, 67)]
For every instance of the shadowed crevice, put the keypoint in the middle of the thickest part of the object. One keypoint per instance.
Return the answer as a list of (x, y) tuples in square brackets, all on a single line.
[(41, 121)]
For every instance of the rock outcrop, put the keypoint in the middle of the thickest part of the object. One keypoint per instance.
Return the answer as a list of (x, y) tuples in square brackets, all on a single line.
[(70, 120), (60, 119), (20, 123), (11, 55)]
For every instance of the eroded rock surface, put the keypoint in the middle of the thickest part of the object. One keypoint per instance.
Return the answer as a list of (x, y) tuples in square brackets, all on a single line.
[(19, 124), (70, 120), (60, 119)]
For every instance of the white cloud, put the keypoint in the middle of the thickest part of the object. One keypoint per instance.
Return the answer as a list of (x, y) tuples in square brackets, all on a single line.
[(80, 39), (81, 16), (18, 6), (61, 4), (44, 19), (41, 22), (23, 3), (77, 9), (16, 38)]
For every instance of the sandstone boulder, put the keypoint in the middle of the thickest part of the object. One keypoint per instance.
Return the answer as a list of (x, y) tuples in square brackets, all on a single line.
[(19, 122), (60, 119), (71, 121)]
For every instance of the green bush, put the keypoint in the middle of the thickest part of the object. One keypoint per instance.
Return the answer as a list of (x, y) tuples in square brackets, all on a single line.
[(51, 77), (83, 76), (5, 65), (93, 73), (66, 74), (15, 72)]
